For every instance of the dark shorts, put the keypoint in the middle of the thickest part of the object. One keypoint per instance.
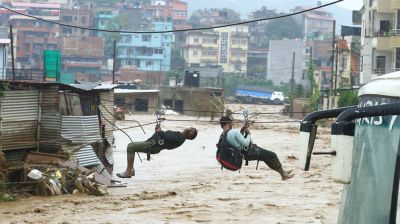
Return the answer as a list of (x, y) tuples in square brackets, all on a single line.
[(257, 153), (142, 147)]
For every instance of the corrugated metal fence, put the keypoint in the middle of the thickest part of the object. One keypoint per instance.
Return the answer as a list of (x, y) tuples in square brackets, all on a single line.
[(19, 115)]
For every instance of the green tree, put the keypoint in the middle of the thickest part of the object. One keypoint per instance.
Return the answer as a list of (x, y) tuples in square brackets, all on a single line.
[(315, 91), (348, 98), (299, 91), (283, 28), (264, 12), (224, 16), (120, 22)]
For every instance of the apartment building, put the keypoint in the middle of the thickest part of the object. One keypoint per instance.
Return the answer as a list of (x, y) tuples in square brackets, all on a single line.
[(380, 38), (226, 47), (201, 48), (146, 52), (316, 24), (233, 48), (32, 37)]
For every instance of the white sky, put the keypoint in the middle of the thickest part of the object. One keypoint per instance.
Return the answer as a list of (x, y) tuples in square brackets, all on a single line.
[(349, 4)]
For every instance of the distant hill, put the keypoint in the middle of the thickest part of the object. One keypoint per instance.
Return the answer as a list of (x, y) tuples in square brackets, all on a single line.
[(342, 15)]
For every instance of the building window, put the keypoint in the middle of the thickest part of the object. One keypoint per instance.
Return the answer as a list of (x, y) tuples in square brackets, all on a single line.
[(141, 105), (243, 42), (127, 39), (83, 19), (129, 51), (238, 67), (129, 62), (149, 63), (146, 38), (196, 40), (158, 51), (67, 19), (398, 19), (195, 53), (83, 32), (66, 30), (397, 59), (380, 65)]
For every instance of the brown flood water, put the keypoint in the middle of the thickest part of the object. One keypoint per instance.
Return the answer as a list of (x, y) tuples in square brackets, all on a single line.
[(186, 185)]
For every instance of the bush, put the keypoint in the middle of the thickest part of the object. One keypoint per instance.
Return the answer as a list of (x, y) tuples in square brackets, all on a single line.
[(348, 98)]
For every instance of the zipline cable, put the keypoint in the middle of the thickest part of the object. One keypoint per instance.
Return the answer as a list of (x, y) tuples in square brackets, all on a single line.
[(177, 30)]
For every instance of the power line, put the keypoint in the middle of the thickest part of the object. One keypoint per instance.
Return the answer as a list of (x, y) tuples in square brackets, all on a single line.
[(172, 31)]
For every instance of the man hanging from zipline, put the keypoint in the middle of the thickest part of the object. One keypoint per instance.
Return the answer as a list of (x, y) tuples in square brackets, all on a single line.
[(159, 141), (241, 141)]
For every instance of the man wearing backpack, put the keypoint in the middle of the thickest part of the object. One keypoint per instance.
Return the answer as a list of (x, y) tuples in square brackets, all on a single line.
[(241, 140), (159, 141)]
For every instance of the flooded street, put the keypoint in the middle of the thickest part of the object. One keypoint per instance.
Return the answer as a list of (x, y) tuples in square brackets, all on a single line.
[(186, 185)]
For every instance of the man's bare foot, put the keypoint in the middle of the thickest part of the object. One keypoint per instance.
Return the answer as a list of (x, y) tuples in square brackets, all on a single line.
[(288, 175), (126, 174)]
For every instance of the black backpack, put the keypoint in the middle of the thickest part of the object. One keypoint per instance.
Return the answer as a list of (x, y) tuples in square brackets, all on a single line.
[(228, 156)]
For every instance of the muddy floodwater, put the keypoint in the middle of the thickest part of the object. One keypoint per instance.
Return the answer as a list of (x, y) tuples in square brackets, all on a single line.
[(186, 185)]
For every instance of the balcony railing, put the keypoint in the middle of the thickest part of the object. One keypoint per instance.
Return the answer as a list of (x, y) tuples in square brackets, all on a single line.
[(390, 33), (22, 74)]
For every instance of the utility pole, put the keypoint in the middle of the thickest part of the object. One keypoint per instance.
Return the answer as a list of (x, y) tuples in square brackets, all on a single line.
[(12, 52), (114, 61), (292, 85), (336, 74), (333, 66)]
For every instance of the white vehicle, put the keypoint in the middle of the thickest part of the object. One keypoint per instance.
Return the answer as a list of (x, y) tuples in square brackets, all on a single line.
[(277, 97), (365, 150)]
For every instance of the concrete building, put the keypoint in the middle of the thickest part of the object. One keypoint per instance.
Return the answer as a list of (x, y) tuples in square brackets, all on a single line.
[(82, 54), (317, 24), (181, 100), (201, 48), (137, 100), (146, 52), (31, 36), (234, 44), (104, 16), (226, 47), (167, 10), (380, 39), (77, 17), (280, 55), (4, 50), (257, 63)]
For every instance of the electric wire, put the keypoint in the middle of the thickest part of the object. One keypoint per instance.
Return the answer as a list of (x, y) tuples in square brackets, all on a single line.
[(176, 30)]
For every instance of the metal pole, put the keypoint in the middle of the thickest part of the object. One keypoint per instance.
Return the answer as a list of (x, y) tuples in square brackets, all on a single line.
[(114, 61), (292, 84), (332, 67), (12, 51), (336, 74)]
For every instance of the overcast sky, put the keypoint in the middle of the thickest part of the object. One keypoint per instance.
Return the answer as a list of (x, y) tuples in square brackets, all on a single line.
[(350, 4)]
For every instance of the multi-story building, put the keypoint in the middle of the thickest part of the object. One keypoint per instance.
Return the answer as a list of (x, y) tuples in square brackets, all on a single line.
[(146, 52), (380, 38), (201, 48), (179, 14), (104, 16), (174, 10), (280, 62), (233, 47), (226, 47), (316, 24), (77, 16), (32, 37), (83, 55), (4, 50)]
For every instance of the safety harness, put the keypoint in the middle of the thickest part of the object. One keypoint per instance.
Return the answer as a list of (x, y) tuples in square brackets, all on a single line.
[(158, 140)]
